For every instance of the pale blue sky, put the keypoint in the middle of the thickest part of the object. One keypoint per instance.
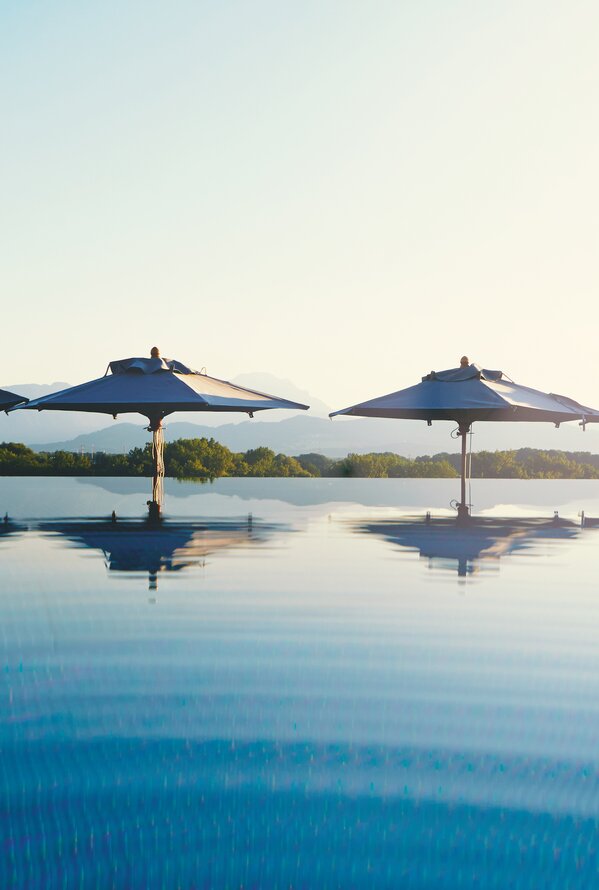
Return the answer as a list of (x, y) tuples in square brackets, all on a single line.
[(344, 194)]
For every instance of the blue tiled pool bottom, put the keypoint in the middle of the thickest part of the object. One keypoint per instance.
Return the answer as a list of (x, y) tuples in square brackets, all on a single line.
[(173, 814)]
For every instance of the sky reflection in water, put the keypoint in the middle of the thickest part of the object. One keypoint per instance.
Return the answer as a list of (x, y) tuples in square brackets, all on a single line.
[(301, 702)]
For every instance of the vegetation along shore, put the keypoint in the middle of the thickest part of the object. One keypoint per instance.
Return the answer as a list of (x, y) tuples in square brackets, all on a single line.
[(207, 459)]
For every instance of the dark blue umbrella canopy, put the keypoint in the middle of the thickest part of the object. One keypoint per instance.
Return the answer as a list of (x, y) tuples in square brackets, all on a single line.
[(156, 387), (471, 393), (10, 399)]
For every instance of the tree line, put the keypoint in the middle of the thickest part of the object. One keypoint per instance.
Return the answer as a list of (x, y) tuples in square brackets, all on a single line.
[(184, 459), (529, 463), (208, 459)]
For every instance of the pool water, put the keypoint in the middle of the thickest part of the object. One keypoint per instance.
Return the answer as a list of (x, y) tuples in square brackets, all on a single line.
[(298, 684)]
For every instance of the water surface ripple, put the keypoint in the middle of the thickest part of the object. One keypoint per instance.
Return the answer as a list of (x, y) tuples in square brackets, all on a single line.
[(283, 686)]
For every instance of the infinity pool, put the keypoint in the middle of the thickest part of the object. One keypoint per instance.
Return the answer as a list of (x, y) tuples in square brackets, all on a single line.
[(299, 684)]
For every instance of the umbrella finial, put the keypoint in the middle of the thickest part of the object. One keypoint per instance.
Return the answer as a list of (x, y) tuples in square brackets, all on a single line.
[(464, 361), (154, 352)]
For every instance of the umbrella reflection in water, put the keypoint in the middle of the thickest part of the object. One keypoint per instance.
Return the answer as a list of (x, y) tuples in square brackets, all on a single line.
[(9, 528), (448, 545), (153, 546)]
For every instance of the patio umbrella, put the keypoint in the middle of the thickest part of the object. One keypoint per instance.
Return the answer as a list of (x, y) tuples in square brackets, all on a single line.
[(156, 387), (467, 394), (9, 399)]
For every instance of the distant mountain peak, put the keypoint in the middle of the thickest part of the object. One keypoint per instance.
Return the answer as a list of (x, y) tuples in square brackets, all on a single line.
[(264, 381), (36, 390)]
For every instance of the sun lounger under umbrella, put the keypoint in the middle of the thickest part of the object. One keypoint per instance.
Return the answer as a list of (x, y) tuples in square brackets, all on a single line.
[(9, 399), (156, 387), (468, 394)]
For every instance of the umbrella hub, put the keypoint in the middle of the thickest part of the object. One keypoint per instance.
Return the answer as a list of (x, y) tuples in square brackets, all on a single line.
[(155, 423), (153, 365)]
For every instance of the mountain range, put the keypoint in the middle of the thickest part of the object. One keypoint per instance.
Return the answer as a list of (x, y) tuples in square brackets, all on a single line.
[(293, 433)]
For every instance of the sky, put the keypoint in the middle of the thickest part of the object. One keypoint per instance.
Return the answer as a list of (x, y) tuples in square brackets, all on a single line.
[(344, 194)]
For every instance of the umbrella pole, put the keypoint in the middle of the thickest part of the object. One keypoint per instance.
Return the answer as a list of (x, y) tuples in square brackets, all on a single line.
[(157, 431), (463, 512)]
